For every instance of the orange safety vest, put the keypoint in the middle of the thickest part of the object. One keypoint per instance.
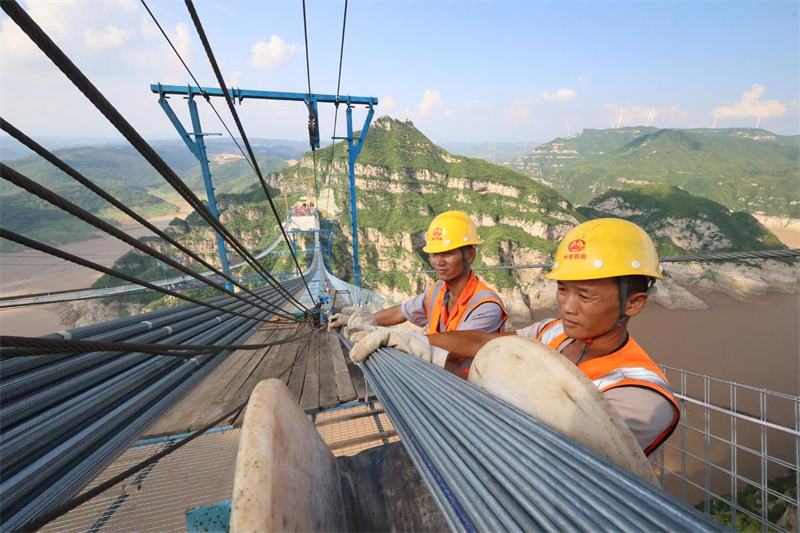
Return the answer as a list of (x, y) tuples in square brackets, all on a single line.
[(629, 366), (474, 294)]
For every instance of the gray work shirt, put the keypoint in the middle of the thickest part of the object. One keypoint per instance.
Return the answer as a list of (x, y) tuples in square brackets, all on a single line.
[(486, 317)]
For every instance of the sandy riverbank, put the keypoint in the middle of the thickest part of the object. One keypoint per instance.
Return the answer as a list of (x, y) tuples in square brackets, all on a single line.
[(28, 271)]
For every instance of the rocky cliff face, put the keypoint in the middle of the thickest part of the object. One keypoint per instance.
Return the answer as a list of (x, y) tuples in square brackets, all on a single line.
[(403, 180), (681, 224)]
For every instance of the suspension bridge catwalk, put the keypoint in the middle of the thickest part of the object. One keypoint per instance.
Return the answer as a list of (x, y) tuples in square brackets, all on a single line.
[(140, 432)]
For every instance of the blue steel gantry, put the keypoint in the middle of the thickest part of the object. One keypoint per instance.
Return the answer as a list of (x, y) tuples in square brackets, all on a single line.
[(197, 146)]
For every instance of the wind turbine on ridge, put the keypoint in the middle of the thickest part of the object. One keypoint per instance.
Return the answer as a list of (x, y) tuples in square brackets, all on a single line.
[(758, 121), (715, 122)]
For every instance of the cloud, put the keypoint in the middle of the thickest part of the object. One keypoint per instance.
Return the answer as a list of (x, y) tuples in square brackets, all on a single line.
[(236, 77), (449, 112), (476, 102), (521, 109), (431, 101), (583, 80), (387, 104), (639, 114), (273, 55), (751, 105), (561, 95), (518, 111), (113, 37)]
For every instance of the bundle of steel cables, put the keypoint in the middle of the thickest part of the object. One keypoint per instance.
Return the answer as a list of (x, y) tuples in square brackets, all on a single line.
[(491, 467)]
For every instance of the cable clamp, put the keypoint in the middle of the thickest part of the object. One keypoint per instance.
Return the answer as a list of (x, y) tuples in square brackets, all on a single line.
[(149, 324), (219, 320), (195, 361), (169, 329), (66, 334)]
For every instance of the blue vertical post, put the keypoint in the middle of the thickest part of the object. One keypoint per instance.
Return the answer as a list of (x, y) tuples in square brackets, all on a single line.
[(202, 156), (351, 160), (354, 146)]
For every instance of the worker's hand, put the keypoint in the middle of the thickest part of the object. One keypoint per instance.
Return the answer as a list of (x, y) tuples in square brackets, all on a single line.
[(351, 316), (356, 332), (405, 341)]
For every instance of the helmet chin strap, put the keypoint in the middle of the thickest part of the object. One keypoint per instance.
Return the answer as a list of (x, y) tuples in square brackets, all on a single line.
[(623, 297), (466, 262)]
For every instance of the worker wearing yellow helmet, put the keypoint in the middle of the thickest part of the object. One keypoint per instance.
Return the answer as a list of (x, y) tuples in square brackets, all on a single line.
[(458, 301), (604, 269)]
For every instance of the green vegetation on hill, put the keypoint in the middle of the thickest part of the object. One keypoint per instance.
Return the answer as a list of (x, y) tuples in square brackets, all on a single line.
[(404, 180), (741, 168), (123, 173), (232, 177), (682, 223)]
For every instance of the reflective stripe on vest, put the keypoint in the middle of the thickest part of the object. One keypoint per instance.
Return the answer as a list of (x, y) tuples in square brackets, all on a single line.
[(636, 373), (430, 299), (479, 298), (627, 367), (553, 334)]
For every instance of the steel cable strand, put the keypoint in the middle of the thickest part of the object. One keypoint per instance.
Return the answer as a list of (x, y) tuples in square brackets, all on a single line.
[(122, 476), (12, 176), (218, 73), (539, 468), (482, 448), (71, 172), (207, 98), (450, 506), (17, 487), (120, 442), (682, 522), (82, 83), (523, 481), (180, 315), (534, 459), (308, 75), (84, 370), (468, 485), (81, 474), (38, 431), (495, 506), (33, 346), (30, 243), (758, 254), (338, 90), (586, 459), (64, 367), (73, 379)]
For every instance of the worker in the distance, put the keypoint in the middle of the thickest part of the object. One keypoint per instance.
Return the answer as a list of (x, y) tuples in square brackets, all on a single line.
[(604, 269), (459, 301)]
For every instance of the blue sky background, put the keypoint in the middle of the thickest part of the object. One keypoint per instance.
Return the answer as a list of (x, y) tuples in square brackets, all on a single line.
[(461, 71)]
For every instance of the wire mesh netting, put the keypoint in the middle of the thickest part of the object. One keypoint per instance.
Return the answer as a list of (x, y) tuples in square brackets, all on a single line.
[(156, 498), (350, 430), (735, 454), (201, 473)]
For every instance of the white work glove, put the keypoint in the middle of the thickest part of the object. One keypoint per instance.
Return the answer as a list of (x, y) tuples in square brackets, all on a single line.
[(351, 316), (406, 341)]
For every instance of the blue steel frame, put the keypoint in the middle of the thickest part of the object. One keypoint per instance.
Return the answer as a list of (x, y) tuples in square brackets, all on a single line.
[(198, 148), (354, 144)]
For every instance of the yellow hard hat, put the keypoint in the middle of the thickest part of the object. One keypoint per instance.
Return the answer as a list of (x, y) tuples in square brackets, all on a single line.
[(449, 231), (605, 248)]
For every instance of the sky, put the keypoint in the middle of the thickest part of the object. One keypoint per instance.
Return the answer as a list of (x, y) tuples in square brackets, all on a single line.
[(461, 71)]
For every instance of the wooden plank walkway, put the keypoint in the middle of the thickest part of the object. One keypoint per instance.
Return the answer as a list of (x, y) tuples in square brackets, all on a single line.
[(315, 368)]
